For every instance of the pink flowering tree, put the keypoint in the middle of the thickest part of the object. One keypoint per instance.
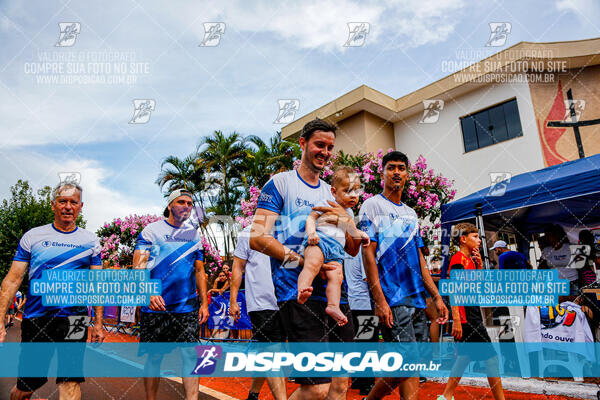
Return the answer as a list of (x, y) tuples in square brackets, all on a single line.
[(212, 258), (248, 207), (425, 190), (118, 238)]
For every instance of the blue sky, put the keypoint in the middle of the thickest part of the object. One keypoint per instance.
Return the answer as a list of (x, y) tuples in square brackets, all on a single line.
[(269, 51)]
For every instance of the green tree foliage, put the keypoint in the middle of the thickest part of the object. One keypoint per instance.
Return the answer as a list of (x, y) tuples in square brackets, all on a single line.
[(221, 171), (21, 212)]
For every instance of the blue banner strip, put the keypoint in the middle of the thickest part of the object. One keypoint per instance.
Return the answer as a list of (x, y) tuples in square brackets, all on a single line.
[(299, 359)]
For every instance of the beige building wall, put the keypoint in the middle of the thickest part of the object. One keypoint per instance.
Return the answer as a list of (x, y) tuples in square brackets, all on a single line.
[(441, 143), (364, 132), (558, 144)]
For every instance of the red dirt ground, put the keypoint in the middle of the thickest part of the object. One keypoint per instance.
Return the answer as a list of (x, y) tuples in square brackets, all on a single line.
[(238, 387)]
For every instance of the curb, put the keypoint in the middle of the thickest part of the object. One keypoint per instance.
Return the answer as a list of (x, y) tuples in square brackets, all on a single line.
[(207, 393), (556, 388)]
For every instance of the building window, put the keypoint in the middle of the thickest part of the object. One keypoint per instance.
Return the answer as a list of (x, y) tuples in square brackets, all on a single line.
[(492, 125)]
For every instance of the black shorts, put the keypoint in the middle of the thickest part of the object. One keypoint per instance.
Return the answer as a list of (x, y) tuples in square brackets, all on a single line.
[(73, 329), (306, 322), (11, 311), (169, 327), (267, 326), (477, 333), (344, 333)]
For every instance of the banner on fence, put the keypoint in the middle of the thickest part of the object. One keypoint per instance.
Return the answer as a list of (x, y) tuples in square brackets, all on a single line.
[(219, 313), (127, 314)]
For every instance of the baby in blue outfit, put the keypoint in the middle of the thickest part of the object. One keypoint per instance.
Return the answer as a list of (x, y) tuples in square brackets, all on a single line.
[(324, 243)]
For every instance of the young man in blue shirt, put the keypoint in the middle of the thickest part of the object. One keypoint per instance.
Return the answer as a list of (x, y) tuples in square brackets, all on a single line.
[(396, 270)]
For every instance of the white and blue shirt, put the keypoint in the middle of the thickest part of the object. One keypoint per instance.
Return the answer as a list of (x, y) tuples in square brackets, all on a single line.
[(395, 229), (45, 248), (260, 294), (330, 230), (173, 253), (288, 195), (358, 289)]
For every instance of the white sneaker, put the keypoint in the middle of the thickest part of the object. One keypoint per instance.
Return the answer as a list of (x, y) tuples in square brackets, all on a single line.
[(441, 397)]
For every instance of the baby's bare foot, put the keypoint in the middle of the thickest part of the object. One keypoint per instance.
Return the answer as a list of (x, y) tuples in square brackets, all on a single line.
[(337, 314), (304, 294)]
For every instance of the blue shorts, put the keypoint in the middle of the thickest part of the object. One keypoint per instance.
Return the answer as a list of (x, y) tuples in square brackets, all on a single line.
[(331, 248)]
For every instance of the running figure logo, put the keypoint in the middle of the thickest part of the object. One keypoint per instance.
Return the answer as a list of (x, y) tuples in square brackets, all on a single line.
[(499, 183), (357, 34), (367, 325), (573, 110), (70, 177), (431, 111), (287, 110), (207, 359), (212, 34), (68, 33), (498, 33), (142, 108), (78, 326)]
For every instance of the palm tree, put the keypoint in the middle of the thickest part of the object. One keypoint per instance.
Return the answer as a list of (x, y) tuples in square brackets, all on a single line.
[(264, 159), (283, 153), (258, 163), (220, 158), (178, 173)]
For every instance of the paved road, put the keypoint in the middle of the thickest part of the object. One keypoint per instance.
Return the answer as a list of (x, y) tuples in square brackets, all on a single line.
[(94, 388)]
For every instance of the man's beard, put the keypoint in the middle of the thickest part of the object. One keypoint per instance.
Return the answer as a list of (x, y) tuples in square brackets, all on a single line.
[(178, 215)]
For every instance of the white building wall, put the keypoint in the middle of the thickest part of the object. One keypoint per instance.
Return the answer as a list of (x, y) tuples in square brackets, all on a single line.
[(442, 143)]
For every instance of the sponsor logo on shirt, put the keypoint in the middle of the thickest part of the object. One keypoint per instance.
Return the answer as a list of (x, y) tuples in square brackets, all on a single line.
[(173, 238), (303, 203), (47, 243), (265, 197)]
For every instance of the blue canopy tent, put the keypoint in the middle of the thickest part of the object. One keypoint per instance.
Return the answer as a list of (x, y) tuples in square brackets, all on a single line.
[(566, 194)]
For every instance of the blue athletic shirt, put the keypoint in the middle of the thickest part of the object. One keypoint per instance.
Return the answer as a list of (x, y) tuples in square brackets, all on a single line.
[(44, 248), (512, 260), (292, 198), (395, 229), (173, 252)]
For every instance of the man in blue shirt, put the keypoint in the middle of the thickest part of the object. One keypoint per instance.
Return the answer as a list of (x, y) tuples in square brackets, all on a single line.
[(278, 231), (396, 270), (172, 250), (509, 259), (60, 245)]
